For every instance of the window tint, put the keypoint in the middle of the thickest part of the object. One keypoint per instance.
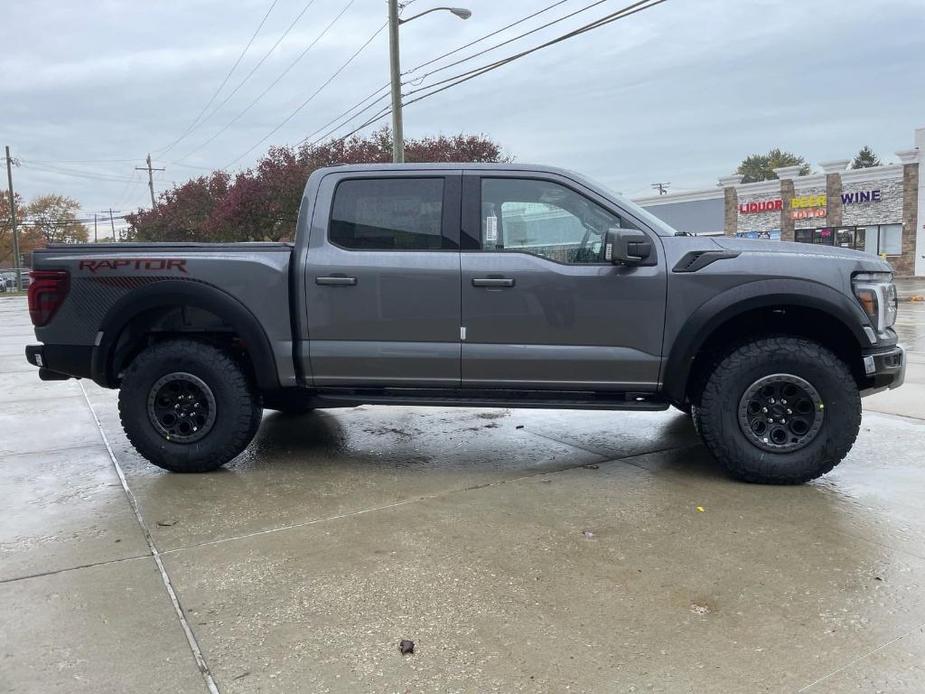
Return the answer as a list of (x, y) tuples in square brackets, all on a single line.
[(545, 219), (388, 214)]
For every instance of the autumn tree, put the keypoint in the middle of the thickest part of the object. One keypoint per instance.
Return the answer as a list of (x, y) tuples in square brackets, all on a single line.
[(262, 203), (54, 217), (760, 167), (865, 159)]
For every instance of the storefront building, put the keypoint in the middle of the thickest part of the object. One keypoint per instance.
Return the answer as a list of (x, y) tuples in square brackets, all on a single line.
[(878, 210)]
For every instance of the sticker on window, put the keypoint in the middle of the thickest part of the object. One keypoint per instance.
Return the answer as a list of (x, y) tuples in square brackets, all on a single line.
[(491, 229)]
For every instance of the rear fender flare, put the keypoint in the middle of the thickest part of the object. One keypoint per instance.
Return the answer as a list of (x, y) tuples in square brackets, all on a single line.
[(172, 293)]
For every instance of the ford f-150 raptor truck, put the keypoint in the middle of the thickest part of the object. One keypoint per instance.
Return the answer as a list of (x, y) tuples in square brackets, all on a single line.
[(475, 285)]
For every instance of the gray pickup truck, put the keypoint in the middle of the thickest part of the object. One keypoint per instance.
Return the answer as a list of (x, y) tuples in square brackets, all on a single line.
[(477, 286)]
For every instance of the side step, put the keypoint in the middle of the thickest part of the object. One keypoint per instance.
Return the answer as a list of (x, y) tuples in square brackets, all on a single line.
[(465, 397)]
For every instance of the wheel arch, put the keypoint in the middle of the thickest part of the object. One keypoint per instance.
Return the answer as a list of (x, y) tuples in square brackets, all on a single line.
[(172, 294), (797, 307)]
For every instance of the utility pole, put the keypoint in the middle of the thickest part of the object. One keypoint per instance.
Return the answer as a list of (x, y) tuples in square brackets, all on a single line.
[(112, 225), (16, 260), (150, 171), (96, 238), (662, 188), (398, 137)]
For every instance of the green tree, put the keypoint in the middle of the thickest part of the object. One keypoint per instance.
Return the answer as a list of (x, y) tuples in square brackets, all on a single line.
[(865, 159), (760, 167), (54, 217)]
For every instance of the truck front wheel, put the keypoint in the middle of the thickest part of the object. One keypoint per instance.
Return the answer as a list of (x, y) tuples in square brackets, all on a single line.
[(188, 406), (780, 410)]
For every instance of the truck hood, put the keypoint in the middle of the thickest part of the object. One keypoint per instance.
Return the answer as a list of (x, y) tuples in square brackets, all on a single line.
[(868, 261)]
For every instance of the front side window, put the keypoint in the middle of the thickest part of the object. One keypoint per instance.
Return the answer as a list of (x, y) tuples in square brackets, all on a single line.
[(544, 219), (388, 214)]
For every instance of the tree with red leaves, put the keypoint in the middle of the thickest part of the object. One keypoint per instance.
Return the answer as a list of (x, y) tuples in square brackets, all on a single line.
[(261, 204)]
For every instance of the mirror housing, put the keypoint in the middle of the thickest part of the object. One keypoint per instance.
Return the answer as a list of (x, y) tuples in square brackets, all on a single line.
[(626, 246)]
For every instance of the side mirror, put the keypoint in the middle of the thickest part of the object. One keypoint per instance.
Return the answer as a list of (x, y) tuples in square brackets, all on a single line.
[(626, 246)]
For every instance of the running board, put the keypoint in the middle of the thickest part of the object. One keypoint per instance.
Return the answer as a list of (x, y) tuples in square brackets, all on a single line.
[(579, 400)]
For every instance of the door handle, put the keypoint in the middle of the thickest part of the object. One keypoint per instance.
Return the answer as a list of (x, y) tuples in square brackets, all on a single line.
[(336, 281), (492, 282)]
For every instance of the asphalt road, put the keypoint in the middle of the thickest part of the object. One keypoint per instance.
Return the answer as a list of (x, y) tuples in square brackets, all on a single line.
[(521, 550)]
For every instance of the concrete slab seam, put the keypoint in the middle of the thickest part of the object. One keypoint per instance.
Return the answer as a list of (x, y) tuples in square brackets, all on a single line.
[(73, 568), (412, 500), (862, 657), (175, 601)]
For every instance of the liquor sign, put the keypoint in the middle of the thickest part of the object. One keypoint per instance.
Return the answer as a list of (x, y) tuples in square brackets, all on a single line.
[(775, 205)]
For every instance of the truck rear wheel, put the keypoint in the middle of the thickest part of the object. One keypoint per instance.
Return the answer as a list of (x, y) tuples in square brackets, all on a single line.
[(187, 406), (780, 411)]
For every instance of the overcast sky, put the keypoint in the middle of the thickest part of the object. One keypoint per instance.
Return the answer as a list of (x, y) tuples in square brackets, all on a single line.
[(678, 93)]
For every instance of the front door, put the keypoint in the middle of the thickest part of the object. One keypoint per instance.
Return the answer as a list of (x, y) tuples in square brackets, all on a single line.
[(382, 291), (541, 307)]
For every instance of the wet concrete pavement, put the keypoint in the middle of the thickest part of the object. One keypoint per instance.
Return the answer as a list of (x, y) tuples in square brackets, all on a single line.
[(521, 550)]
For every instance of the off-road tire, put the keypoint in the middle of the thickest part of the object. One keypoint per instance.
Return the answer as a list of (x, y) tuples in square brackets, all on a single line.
[(237, 405), (717, 415)]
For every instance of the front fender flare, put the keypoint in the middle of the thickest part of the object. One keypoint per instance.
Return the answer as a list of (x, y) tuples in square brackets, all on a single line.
[(747, 297)]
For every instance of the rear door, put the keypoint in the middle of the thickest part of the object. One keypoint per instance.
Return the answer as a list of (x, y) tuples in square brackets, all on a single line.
[(541, 307), (382, 284)]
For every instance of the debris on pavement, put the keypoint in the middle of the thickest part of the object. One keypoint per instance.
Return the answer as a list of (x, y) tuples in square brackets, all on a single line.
[(700, 609), (590, 466), (700, 509), (588, 534), (166, 523), (406, 646)]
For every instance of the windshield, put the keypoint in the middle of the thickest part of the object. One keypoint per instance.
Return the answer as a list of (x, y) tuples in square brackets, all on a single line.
[(634, 209)]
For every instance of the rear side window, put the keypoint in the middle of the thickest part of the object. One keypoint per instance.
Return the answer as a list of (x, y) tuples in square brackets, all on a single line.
[(388, 214)]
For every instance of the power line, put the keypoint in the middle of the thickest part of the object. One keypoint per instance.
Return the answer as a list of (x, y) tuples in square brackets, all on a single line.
[(310, 97), (476, 72), (385, 86), (257, 99), (486, 36), (215, 94), (339, 117), (527, 33), (255, 67), (89, 175)]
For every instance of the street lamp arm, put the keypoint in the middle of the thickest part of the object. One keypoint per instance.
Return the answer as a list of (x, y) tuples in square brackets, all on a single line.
[(460, 12)]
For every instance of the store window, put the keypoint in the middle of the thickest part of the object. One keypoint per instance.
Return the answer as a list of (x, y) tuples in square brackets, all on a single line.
[(875, 239)]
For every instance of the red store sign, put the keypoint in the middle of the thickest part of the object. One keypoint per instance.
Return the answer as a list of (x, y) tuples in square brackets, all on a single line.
[(775, 205)]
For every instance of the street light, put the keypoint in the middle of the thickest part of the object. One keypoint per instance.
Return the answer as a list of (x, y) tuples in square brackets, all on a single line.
[(398, 140)]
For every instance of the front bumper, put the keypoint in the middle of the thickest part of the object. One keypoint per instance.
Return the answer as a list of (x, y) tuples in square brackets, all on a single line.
[(885, 369)]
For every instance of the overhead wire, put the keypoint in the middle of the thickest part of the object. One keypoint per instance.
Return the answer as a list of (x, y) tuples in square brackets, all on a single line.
[(455, 80), (308, 100), (215, 94), (482, 38), (260, 96), (254, 69), (344, 114)]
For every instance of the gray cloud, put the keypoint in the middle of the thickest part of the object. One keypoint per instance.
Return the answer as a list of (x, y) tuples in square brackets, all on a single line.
[(680, 92)]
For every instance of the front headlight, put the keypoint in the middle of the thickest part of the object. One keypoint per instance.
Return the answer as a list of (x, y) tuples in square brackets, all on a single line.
[(877, 295)]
